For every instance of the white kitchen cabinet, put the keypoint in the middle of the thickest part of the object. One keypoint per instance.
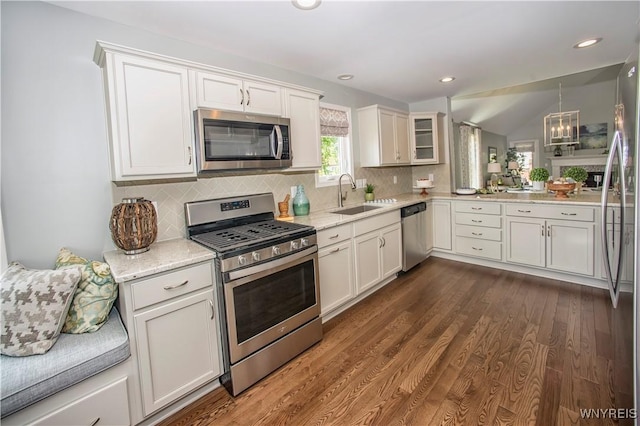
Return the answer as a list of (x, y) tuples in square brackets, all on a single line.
[(384, 136), (377, 249), (335, 260), (561, 245), (227, 92), (478, 229), (442, 230), (428, 217), (303, 110), (172, 322), (149, 117), (426, 138)]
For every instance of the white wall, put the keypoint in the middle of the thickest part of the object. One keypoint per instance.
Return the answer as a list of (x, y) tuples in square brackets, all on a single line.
[(54, 173)]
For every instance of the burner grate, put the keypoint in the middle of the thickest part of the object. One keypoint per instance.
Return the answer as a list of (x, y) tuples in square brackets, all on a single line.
[(238, 236)]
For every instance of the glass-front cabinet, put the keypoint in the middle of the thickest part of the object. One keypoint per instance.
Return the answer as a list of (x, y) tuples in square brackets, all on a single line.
[(427, 138)]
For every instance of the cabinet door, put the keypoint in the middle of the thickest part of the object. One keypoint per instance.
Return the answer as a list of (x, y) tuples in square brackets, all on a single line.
[(388, 153), (151, 135), (442, 225), (428, 217), (177, 349), (425, 138), (367, 260), (402, 139), (391, 250), (570, 246), (219, 92), (303, 109), (526, 241), (262, 98), (336, 276)]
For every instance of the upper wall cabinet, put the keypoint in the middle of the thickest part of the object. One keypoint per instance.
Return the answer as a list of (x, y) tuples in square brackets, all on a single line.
[(303, 109), (426, 138), (149, 118), (220, 91), (384, 136)]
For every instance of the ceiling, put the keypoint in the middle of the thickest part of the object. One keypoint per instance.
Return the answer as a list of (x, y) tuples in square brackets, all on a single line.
[(399, 49)]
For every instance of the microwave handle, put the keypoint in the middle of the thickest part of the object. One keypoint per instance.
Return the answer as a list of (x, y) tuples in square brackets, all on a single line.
[(280, 142)]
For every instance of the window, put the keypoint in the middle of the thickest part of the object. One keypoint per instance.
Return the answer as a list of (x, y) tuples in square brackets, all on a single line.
[(335, 144), (526, 154)]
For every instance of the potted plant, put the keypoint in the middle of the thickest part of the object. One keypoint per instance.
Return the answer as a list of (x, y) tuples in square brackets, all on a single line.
[(578, 174), (538, 175), (368, 192)]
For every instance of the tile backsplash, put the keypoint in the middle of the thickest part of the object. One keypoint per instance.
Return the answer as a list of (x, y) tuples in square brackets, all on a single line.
[(170, 197)]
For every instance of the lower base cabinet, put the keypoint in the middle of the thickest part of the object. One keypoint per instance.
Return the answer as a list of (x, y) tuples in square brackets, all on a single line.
[(177, 349), (378, 255), (336, 276)]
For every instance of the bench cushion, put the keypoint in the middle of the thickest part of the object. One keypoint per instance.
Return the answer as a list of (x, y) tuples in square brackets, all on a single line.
[(74, 357)]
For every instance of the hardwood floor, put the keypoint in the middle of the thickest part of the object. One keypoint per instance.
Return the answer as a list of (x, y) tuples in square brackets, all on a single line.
[(449, 343)]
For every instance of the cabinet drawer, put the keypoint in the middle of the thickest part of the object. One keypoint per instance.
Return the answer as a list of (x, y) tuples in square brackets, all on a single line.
[(333, 235), (478, 220), (484, 208), (494, 234), (167, 286), (479, 248), (376, 222), (106, 406), (585, 214)]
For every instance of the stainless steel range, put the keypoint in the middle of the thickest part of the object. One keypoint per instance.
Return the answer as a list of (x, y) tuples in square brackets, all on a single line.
[(267, 283)]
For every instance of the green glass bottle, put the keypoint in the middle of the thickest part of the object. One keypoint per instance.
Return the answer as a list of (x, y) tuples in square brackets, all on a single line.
[(300, 202)]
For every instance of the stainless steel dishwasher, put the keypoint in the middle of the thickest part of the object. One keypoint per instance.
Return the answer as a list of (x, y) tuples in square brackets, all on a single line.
[(414, 235)]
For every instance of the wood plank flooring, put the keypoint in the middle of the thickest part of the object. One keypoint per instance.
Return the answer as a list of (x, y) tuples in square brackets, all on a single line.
[(449, 343)]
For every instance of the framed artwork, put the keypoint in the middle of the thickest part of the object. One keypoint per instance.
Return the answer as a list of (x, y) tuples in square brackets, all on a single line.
[(493, 154), (594, 136)]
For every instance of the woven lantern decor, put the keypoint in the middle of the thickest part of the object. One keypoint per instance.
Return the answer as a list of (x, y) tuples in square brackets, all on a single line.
[(134, 225)]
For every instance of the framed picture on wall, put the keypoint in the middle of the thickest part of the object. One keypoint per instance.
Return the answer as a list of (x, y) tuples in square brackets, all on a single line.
[(493, 154)]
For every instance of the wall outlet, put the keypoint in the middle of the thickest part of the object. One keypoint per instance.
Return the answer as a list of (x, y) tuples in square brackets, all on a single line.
[(395, 179), (294, 189), (431, 177), (364, 182)]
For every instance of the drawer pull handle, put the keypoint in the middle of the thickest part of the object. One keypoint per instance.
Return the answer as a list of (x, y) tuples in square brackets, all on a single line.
[(334, 237), (212, 310), (569, 214), (477, 233), (476, 248), (476, 208), (476, 221), (95, 422), (334, 250), (524, 211), (171, 287)]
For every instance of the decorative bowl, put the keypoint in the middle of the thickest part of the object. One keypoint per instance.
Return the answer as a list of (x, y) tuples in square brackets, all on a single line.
[(561, 189)]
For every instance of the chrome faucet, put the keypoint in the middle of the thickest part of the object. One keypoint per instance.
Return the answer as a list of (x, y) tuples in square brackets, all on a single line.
[(341, 197)]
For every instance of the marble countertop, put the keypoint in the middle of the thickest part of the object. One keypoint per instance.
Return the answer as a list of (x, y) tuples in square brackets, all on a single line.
[(162, 256)]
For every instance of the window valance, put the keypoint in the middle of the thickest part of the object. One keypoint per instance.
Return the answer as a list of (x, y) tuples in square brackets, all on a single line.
[(333, 122)]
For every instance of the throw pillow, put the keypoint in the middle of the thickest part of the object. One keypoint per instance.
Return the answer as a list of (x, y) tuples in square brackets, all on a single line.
[(94, 296), (34, 305)]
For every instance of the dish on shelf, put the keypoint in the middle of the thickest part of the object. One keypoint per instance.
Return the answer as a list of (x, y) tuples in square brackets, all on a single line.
[(515, 189), (465, 191)]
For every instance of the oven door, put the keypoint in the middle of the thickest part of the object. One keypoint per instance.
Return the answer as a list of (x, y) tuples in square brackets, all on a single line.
[(266, 301)]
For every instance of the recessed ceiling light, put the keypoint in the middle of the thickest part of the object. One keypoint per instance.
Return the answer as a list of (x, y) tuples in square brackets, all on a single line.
[(306, 4), (345, 76), (447, 79), (587, 43)]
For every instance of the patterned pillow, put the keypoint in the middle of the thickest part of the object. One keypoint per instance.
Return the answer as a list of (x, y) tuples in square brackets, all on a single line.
[(94, 296), (34, 305)]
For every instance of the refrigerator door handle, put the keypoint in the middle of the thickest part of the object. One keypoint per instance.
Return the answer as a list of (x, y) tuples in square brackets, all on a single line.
[(613, 283)]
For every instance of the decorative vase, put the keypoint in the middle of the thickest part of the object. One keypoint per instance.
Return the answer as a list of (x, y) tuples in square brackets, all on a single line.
[(300, 202), (538, 185), (369, 196), (134, 225)]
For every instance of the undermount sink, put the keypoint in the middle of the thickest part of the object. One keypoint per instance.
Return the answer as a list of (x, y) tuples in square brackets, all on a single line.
[(356, 209)]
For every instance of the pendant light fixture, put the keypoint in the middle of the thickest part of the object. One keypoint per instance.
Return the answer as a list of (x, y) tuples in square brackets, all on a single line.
[(562, 128)]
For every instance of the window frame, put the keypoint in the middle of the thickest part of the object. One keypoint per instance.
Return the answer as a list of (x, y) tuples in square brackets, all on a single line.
[(346, 148)]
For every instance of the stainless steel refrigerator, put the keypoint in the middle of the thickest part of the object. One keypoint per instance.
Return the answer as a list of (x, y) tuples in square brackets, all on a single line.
[(619, 216)]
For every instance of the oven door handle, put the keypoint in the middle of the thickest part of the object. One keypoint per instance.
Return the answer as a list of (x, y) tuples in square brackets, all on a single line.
[(252, 270)]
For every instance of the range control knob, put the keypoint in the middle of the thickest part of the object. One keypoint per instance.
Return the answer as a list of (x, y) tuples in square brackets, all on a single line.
[(295, 245), (255, 255), (275, 250), (304, 242), (242, 260)]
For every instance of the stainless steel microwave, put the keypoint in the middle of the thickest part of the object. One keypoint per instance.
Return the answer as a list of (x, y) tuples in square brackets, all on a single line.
[(232, 140)]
